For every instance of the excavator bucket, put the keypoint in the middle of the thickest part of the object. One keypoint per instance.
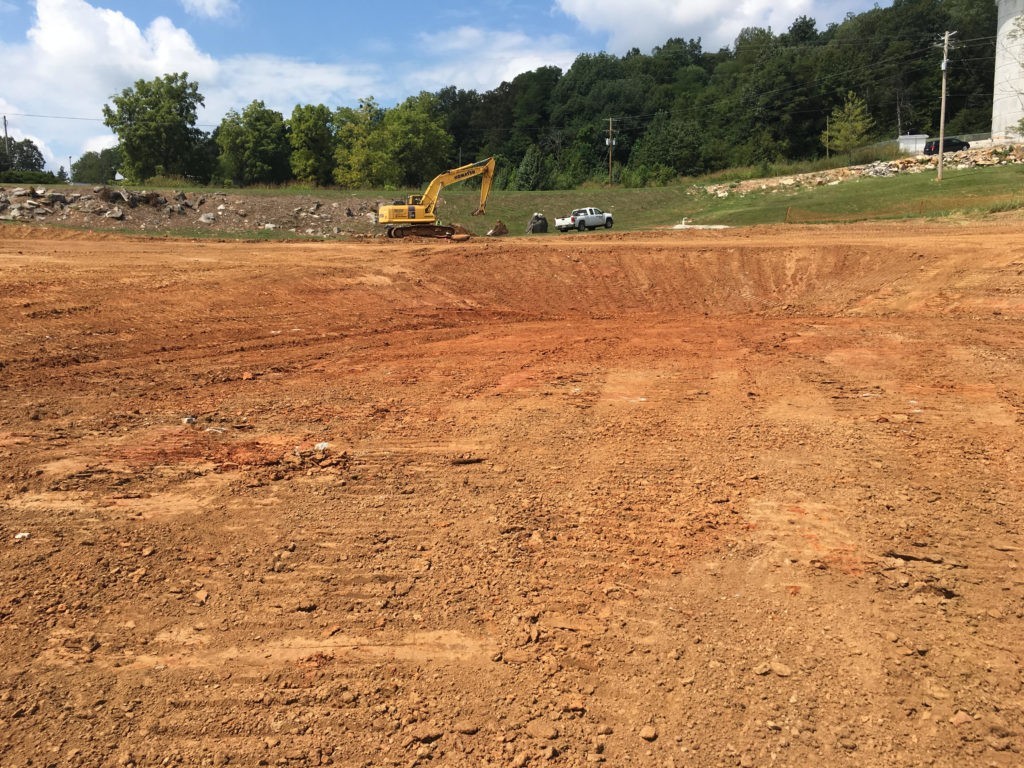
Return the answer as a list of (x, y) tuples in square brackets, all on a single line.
[(485, 184)]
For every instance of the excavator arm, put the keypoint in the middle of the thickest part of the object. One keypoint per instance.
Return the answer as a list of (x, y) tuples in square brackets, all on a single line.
[(483, 168), (417, 217)]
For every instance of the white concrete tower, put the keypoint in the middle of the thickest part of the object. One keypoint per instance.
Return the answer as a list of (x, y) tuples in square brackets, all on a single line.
[(1008, 93)]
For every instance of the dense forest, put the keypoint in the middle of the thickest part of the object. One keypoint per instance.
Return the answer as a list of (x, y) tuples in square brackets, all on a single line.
[(676, 111)]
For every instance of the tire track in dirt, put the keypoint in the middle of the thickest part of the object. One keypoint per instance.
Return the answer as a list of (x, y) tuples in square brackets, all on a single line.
[(707, 499)]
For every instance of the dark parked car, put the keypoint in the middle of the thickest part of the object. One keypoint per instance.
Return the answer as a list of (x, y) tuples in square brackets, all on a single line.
[(931, 147)]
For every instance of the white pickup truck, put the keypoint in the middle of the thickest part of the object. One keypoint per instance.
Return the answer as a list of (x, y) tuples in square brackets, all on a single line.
[(584, 218)]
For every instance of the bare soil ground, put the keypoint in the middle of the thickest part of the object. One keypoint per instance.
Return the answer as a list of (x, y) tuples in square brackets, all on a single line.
[(717, 498)]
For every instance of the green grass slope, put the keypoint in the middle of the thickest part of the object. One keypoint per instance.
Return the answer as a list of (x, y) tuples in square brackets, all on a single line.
[(967, 193), (971, 192)]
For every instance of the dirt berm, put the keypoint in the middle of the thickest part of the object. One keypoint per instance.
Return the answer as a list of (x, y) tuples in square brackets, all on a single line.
[(707, 498)]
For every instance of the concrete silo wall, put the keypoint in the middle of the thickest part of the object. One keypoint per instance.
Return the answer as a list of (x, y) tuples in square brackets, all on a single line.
[(1008, 93)]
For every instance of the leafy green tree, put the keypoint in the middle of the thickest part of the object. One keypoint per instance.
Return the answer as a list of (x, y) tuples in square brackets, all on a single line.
[(667, 60), (458, 109), (529, 174), (670, 147), (311, 133), (155, 122), (803, 31), (97, 167), (28, 177), (575, 96), (418, 139), (756, 102), (849, 125), (748, 105), (399, 147), (21, 155), (530, 104), (204, 161), (970, 85), (254, 146), (678, 110), (679, 72), (354, 162)]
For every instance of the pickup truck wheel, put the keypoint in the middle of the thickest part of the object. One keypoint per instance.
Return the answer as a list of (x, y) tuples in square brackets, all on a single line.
[(608, 224), (581, 226)]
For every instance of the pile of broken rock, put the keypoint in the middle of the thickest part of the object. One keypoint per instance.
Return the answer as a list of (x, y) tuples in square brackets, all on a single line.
[(102, 207), (971, 158), (33, 204)]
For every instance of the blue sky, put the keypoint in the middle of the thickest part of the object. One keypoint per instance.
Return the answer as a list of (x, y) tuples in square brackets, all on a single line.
[(64, 59)]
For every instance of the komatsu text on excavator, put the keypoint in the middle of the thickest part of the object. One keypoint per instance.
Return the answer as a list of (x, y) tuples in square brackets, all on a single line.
[(417, 215)]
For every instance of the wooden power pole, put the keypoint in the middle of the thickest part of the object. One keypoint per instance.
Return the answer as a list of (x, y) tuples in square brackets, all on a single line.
[(610, 141), (942, 112)]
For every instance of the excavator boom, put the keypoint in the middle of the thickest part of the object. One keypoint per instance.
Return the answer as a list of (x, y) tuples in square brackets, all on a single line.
[(417, 215)]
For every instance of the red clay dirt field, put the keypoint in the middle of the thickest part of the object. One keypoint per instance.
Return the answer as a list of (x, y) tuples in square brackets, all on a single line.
[(748, 497)]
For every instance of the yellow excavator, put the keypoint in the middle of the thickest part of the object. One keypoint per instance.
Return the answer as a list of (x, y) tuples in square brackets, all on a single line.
[(416, 216)]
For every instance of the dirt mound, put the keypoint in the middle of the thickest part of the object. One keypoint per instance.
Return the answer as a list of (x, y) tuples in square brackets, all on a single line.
[(704, 498)]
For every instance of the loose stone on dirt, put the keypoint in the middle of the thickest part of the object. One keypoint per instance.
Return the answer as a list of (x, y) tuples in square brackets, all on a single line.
[(245, 594)]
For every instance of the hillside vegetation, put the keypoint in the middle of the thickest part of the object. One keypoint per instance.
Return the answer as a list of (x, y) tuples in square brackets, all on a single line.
[(905, 188), (678, 110)]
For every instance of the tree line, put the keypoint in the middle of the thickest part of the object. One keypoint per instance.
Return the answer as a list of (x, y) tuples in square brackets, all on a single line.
[(676, 111), (21, 161)]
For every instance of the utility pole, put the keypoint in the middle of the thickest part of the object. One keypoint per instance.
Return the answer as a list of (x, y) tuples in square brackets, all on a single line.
[(610, 141), (7, 141), (942, 114)]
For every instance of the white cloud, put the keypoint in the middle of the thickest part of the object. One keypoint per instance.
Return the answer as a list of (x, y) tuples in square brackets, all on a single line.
[(99, 143), (76, 56), (76, 49), (210, 9), (282, 83), (645, 24), (495, 57)]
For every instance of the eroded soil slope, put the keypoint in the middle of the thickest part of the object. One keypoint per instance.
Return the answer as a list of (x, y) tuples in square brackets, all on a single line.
[(741, 498)]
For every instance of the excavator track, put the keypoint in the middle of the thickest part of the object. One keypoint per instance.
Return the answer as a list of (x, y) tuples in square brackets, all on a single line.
[(421, 230)]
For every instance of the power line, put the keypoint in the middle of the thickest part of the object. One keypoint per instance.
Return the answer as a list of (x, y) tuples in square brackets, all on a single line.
[(89, 119), (55, 117)]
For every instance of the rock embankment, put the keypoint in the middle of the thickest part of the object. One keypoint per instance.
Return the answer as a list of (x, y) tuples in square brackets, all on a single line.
[(971, 158), (102, 207)]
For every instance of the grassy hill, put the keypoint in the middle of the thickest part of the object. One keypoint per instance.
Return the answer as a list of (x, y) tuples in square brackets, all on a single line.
[(969, 192)]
